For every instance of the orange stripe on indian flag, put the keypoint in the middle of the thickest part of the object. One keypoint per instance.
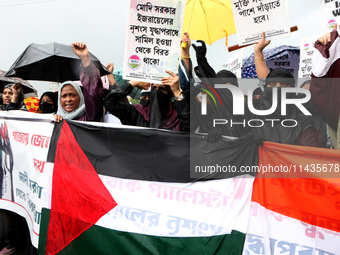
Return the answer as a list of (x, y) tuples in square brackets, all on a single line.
[(311, 196)]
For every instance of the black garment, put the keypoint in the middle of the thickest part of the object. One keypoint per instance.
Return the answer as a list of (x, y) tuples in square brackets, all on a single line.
[(224, 111), (20, 105), (128, 114), (47, 107), (280, 75), (303, 134), (112, 87), (319, 123), (13, 106), (144, 101), (14, 233), (256, 102)]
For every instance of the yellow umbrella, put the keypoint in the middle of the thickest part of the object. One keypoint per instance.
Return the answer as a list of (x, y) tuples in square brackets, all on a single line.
[(208, 20)]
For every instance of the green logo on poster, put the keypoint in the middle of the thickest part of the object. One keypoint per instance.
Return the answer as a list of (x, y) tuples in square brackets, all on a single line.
[(134, 62)]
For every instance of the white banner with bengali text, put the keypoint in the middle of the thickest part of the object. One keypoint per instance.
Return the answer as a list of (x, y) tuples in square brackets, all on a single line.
[(306, 54), (235, 63), (152, 39), (330, 11), (25, 177), (252, 17)]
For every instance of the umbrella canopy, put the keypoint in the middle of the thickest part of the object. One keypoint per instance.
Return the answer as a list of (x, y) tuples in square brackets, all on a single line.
[(50, 62), (284, 56), (208, 20), (26, 86)]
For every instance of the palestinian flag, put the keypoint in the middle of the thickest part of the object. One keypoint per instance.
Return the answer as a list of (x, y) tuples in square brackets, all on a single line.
[(133, 191), (129, 191)]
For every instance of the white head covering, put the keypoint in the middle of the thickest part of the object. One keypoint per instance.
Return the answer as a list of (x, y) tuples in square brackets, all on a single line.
[(77, 112)]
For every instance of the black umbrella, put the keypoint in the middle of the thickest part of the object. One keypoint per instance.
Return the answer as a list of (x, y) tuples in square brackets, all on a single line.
[(26, 86), (50, 62)]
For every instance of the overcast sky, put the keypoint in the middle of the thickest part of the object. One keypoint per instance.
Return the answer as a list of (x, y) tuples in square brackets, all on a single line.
[(101, 24)]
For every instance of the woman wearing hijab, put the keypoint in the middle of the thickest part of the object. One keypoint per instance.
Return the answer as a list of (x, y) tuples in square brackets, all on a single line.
[(166, 108), (209, 78), (257, 94), (304, 133), (13, 97), (48, 102), (319, 124), (75, 104)]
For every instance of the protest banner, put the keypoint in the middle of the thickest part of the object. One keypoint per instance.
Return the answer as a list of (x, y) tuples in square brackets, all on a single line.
[(25, 174), (153, 39), (60, 178), (288, 61), (235, 63), (254, 17), (330, 11), (306, 53)]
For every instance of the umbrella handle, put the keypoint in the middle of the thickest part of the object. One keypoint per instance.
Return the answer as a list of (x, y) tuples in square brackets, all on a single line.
[(184, 44)]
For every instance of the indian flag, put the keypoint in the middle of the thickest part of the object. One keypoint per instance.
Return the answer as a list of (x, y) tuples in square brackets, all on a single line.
[(295, 212)]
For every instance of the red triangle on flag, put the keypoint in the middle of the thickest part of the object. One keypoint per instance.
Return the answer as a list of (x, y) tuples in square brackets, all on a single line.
[(79, 197)]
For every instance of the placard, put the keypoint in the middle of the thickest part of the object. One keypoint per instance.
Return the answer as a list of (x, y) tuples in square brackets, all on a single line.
[(153, 39), (252, 17)]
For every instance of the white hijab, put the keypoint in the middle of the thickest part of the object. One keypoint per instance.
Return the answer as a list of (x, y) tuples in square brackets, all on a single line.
[(77, 112)]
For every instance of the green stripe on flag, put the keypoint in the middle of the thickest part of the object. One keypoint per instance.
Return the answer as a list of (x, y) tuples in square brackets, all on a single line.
[(99, 240), (45, 218)]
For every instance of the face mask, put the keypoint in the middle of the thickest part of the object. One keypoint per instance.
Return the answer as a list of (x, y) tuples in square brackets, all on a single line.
[(267, 101), (256, 103), (159, 106), (47, 108), (145, 102)]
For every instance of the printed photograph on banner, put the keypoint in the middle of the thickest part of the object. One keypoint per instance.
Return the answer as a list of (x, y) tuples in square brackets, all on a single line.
[(330, 14), (24, 185), (153, 38), (306, 54), (254, 17)]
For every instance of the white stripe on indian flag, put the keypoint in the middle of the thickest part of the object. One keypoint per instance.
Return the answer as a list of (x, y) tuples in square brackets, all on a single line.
[(273, 233)]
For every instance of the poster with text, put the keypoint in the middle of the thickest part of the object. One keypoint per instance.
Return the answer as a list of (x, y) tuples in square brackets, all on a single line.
[(306, 54), (330, 10), (252, 17), (153, 39), (24, 174), (235, 63)]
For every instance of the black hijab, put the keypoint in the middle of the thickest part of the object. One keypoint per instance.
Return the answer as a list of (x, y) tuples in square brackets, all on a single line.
[(47, 107), (277, 132)]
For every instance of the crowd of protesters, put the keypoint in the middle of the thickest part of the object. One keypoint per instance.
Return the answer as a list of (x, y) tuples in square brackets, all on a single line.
[(176, 105)]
